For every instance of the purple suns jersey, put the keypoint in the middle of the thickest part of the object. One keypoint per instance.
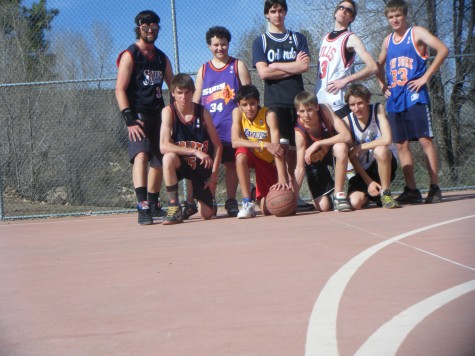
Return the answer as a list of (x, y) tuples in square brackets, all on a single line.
[(220, 86), (404, 63)]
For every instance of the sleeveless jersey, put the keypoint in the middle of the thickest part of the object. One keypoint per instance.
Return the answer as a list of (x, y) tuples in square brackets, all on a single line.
[(256, 131), (404, 63), (332, 65), (368, 133), (326, 129), (191, 134), (145, 87), (276, 47), (219, 89)]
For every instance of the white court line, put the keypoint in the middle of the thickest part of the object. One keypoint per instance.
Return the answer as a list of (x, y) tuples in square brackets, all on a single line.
[(321, 333), (387, 339)]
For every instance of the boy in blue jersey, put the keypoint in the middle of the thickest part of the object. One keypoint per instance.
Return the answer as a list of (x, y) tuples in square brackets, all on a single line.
[(403, 56)]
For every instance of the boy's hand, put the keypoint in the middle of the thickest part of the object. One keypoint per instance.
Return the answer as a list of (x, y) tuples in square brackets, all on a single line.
[(205, 159), (374, 189), (275, 149), (416, 84), (281, 186), (136, 132)]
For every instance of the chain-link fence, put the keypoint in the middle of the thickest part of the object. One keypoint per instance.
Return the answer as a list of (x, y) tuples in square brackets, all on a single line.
[(63, 148)]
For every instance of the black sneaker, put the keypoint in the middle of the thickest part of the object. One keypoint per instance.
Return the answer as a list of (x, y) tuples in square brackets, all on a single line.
[(410, 196), (232, 207), (145, 216), (188, 209), (156, 210), (434, 195), (302, 205), (174, 215)]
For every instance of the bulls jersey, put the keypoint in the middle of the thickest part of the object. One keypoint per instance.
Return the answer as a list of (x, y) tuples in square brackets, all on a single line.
[(145, 87), (191, 134), (257, 130), (404, 63), (219, 89), (368, 133), (333, 64), (325, 129), (280, 47)]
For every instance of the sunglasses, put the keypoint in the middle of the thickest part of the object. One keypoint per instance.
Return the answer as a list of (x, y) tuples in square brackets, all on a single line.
[(345, 9), (146, 28)]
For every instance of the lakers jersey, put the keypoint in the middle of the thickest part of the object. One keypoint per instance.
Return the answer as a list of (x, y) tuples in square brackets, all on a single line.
[(220, 86), (368, 133), (404, 63), (257, 130), (333, 65)]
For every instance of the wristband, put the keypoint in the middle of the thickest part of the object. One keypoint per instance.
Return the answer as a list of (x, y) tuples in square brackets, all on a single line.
[(129, 118), (262, 145)]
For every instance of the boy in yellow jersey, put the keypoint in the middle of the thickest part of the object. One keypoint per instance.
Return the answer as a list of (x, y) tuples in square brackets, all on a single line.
[(255, 135)]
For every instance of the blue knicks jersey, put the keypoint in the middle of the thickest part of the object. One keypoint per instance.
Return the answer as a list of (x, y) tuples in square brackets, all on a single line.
[(220, 86), (191, 134), (404, 63)]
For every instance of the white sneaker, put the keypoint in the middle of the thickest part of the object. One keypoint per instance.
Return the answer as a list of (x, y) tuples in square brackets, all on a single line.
[(247, 211)]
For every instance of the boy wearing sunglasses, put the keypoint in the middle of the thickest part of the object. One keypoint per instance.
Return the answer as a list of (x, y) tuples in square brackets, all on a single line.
[(142, 70), (336, 58)]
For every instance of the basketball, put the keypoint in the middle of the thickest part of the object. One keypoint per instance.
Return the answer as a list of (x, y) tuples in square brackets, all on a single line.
[(320, 154), (281, 202)]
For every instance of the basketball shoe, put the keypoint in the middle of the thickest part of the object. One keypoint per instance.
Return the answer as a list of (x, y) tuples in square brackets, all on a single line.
[(247, 211), (156, 210), (188, 209), (388, 201), (434, 195), (174, 215), (232, 207), (340, 202), (409, 196), (145, 216)]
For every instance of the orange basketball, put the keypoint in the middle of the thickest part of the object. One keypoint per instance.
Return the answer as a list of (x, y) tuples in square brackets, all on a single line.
[(281, 202)]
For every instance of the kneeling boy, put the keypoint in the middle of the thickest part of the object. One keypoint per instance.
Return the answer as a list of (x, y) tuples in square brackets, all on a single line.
[(255, 135), (191, 149)]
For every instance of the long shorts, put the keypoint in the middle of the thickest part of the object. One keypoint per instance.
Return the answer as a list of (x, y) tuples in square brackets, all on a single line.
[(411, 124), (198, 177), (149, 144), (286, 119), (229, 153), (319, 179), (266, 173), (357, 184)]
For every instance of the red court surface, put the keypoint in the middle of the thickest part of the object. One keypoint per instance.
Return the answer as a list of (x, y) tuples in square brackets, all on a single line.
[(370, 282)]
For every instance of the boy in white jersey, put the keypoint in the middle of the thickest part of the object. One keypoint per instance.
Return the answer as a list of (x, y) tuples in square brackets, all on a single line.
[(403, 56), (372, 153), (255, 135), (336, 59)]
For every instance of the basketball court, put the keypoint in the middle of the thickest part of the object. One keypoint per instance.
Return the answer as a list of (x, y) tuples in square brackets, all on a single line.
[(369, 282)]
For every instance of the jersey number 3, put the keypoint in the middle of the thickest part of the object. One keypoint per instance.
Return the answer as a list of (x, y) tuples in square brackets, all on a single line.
[(323, 69)]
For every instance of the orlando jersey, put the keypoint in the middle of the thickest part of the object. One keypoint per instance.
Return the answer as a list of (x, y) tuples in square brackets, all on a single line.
[(368, 133), (219, 89), (191, 134), (404, 63), (145, 87), (332, 65), (278, 47), (257, 130)]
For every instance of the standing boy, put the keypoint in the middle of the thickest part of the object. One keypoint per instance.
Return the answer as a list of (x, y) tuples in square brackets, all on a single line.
[(280, 57), (142, 69), (336, 59), (255, 135), (404, 54), (372, 153), (191, 149), (321, 139), (217, 83)]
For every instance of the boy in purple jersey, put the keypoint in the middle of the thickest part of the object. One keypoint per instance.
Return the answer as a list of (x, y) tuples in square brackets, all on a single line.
[(404, 55), (217, 83), (142, 70)]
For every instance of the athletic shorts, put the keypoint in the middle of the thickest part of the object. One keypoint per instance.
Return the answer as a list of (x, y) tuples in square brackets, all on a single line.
[(229, 153), (286, 119), (198, 177), (319, 179), (266, 173), (411, 124), (357, 184), (150, 143), (343, 112)]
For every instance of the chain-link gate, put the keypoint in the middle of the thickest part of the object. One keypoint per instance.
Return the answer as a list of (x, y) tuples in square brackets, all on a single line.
[(63, 148)]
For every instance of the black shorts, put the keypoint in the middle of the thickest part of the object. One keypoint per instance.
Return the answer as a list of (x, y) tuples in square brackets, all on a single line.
[(150, 144), (319, 179), (343, 112), (198, 177), (229, 153), (357, 184), (286, 119)]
